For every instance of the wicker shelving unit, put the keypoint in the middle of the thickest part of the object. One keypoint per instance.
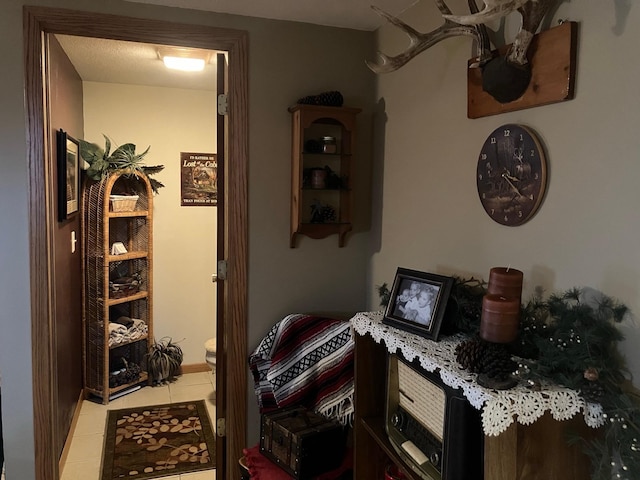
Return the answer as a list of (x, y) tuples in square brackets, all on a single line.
[(112, 369)]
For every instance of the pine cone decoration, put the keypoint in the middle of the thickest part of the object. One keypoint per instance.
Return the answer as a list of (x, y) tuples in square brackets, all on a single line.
[(309, 100), (329, 99), (469, 354), (479, 356), (129, 374), (496, 362), (328, 214)]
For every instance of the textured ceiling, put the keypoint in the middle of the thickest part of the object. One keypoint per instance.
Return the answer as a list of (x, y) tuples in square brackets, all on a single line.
[(130, 63), (111, 61)]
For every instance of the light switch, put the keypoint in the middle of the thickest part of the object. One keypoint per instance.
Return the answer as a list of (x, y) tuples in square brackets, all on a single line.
[(73, 241)]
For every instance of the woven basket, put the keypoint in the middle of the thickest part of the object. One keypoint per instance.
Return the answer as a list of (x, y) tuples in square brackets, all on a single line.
[(123, 287), (123, 203), (129, 374)]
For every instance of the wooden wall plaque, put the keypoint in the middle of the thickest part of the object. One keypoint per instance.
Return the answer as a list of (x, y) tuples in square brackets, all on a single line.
[(552, 55)]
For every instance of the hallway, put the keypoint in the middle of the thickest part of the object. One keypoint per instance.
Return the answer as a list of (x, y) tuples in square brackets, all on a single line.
[(85, 454)]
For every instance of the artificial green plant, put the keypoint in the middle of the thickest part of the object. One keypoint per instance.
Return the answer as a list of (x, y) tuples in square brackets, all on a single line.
[(103, 161)]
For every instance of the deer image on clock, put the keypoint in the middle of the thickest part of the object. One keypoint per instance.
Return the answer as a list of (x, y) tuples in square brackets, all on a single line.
[(511, 174)]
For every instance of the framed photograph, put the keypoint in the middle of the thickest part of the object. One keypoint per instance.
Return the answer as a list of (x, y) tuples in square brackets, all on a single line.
[(418, 302), (68, 153)]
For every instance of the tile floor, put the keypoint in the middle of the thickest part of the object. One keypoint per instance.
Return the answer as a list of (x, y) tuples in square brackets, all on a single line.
[(85, 453)]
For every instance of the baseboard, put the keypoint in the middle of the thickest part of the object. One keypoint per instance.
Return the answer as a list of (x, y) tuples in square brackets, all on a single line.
[(195, 368), (72, 429)]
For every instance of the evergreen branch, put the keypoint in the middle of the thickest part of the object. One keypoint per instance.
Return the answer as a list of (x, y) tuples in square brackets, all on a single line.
[(384, 293), (572, 339)]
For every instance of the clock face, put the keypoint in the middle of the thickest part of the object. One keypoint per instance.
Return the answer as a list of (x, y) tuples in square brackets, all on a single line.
[(511, 174)]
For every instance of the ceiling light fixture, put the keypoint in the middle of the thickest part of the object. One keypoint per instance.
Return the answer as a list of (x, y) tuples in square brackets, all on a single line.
[(184, 59)]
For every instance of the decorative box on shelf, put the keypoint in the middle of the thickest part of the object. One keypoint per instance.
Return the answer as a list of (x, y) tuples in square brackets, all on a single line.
[(302, 442)]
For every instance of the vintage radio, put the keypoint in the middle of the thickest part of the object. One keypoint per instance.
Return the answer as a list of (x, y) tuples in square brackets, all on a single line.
[(303, 443), (433, 427)]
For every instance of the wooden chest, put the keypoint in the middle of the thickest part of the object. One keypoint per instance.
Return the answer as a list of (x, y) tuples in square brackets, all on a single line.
[(301, 442)]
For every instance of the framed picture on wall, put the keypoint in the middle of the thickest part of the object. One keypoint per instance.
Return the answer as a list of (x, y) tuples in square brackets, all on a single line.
[(68, 153), (418, 302), (198, 179)]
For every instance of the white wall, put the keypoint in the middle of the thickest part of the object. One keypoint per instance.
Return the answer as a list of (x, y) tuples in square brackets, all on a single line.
[(171, 121), (586, 232)]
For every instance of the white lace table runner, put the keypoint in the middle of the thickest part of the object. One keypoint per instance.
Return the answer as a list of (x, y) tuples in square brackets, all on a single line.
[(499, 407)]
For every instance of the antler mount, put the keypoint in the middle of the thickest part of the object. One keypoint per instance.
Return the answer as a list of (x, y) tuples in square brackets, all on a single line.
[(504, 77)]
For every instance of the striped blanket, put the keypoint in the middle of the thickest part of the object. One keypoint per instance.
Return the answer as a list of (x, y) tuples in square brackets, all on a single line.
[(306, 360)]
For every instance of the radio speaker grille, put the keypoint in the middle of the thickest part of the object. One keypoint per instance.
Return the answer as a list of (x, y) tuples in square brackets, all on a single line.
[(425, 401)]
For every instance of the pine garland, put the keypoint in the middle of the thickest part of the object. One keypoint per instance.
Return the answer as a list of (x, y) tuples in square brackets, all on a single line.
[(384, 293), (466, 300), (572, 340)]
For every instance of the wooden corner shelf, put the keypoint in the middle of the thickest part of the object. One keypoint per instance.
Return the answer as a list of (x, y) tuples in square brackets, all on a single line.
[(310, 124)]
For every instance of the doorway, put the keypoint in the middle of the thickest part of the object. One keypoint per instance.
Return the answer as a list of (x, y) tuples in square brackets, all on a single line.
[(231, 352), (129, 95)]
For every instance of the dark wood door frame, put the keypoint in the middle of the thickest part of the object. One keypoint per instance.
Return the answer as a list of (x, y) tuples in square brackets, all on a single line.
[(40, 20)]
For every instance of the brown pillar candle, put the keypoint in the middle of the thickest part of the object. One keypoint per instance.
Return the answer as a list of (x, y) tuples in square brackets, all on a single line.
[(500, 318), (506, 282)]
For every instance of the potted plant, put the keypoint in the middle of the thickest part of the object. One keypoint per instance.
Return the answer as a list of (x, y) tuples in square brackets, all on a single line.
[(163, 361), (103, 161)]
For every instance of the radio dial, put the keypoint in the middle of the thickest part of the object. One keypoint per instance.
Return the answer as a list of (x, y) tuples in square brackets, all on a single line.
[(398, 420), (434, 458)]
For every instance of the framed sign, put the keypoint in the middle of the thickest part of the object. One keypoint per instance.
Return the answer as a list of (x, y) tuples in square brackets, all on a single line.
[(198, 179), (68, 174), (418, 302)]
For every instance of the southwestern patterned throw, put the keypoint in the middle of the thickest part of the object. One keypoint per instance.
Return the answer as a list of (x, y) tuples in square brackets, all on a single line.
[(306, 360)]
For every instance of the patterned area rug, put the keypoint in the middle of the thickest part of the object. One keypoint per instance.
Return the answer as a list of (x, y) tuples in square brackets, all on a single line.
[(159, 440)]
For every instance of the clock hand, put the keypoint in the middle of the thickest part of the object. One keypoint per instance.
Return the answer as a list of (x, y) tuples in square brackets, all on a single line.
[(506, 177), (506, 173)]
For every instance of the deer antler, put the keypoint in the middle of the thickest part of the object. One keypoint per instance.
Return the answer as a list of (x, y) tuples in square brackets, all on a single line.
[(532, 11), (419, 42), (493, 9), (506, 78)]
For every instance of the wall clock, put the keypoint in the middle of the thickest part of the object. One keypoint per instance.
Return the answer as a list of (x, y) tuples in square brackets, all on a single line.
[(511, 174)]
